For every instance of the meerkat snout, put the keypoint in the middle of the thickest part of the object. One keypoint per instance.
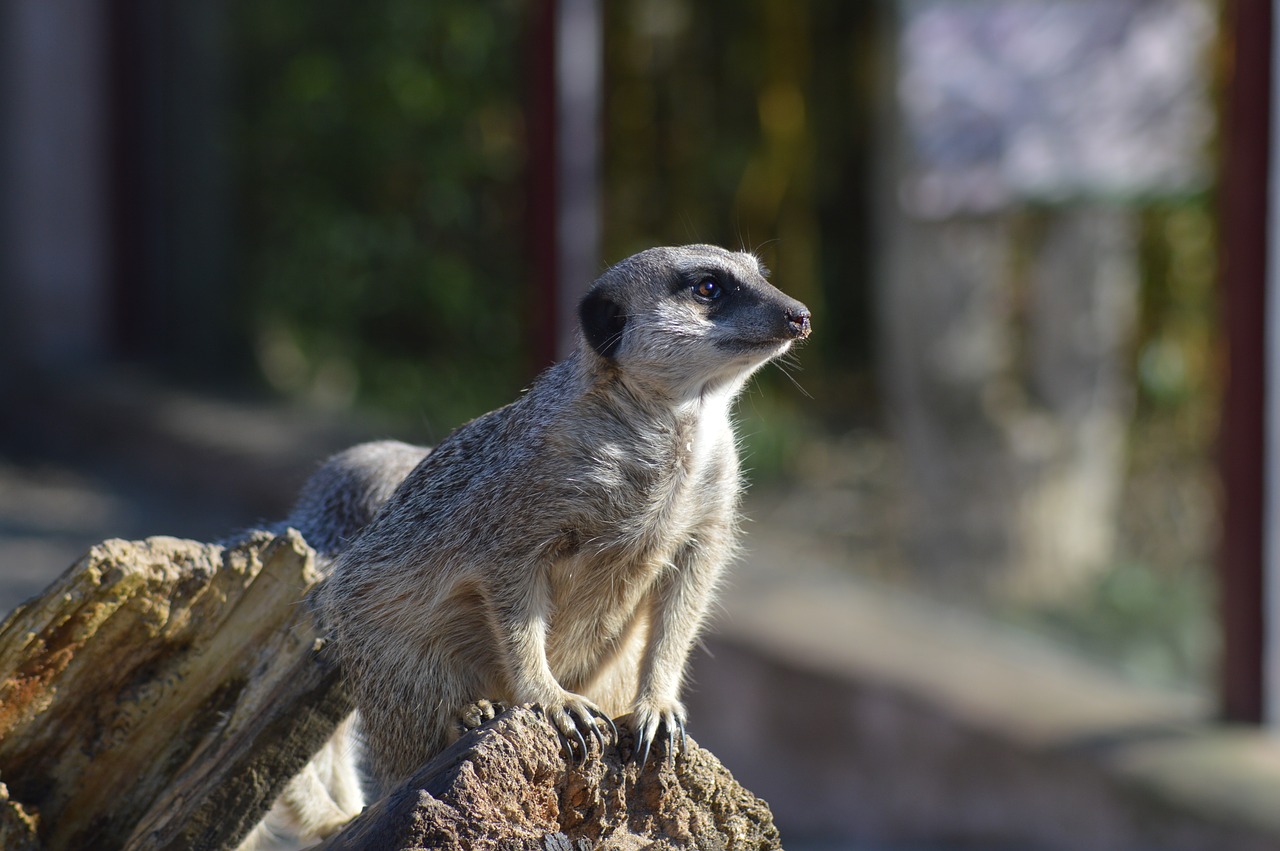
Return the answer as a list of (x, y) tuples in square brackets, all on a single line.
[(798, 322)]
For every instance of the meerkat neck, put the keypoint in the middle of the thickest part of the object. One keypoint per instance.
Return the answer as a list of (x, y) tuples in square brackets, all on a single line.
[(638, 401)]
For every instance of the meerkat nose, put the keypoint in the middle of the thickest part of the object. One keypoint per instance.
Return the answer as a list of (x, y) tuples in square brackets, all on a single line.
[(798, 323)]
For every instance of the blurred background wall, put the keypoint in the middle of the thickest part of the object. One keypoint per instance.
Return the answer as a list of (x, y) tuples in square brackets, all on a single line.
[(1002, 213)]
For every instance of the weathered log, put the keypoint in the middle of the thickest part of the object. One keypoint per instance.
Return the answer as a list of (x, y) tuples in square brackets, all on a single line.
[(507, 786), (160, 694)]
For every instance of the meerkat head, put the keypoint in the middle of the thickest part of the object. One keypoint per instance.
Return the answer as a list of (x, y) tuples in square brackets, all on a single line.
[(693, 318)]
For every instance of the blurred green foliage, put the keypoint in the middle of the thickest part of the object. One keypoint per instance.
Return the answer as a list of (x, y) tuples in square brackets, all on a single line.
[(382, 159), (1177, 360), (1152, 613), (1155, 610), (382, 166), (381, 153), (750, 125), (1153, 625)]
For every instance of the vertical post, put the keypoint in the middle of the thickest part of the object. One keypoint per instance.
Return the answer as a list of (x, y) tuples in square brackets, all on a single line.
[(132, 167), (579, 59), (1270, 114), (171, 212), (566, 60), (54, 179), (1244, 454)]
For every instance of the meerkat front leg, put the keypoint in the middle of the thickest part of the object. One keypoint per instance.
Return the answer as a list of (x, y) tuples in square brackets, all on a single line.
[(520, 614), (678, 606)]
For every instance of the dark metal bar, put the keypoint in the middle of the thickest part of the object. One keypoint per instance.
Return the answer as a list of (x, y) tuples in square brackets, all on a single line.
[(578, 60), (1244, 252)]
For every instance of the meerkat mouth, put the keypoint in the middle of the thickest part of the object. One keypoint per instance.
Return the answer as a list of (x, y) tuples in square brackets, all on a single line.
[(740, 345)]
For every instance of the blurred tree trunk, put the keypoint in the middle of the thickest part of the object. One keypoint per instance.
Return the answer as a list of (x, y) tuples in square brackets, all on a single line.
[(1004, 341), (1081, 321)]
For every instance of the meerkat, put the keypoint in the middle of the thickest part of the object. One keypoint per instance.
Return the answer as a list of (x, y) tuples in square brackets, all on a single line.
[(564, 550)]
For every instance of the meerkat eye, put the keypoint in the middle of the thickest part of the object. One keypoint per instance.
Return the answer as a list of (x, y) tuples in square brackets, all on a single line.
[(708, 289)]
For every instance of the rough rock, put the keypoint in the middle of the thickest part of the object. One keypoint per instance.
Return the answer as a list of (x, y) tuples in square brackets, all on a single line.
[(507, 786)]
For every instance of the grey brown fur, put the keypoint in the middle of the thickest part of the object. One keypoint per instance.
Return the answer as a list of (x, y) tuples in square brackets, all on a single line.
[(562, 550), (345, 494)]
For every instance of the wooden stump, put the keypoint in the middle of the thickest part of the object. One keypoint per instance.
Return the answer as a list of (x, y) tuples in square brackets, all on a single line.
[(160, 694)]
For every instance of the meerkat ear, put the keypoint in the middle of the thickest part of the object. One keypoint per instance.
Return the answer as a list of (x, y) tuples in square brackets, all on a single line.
[(602, 322)]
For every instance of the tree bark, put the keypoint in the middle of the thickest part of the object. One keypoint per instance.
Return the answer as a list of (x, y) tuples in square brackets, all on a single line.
[(160, 694)]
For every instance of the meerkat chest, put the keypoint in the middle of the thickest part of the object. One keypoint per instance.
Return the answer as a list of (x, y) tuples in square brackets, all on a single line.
[(649, 499), (702, 462), (672, 482)]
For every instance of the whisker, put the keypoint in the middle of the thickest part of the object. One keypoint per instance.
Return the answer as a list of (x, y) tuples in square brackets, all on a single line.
[(790, 377), (763, 245)]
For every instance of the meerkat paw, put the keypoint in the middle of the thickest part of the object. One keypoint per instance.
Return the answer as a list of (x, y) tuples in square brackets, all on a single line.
[(648, 721), (475, 714), (576, 715)]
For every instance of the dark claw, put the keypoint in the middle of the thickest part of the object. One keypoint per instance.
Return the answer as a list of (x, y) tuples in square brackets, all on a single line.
[(644, 742), (595, 731), (612, 728), (565, 745), (644, 757), (581, 755)]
